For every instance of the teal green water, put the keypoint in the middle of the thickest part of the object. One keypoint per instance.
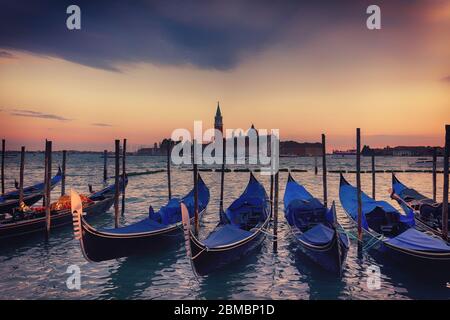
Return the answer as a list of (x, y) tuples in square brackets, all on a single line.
[(33, 268)]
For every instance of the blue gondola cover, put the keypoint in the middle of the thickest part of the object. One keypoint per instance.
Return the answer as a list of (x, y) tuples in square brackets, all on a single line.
[(318, 235), (168, 214), (226, 234), (415, 240), (254, 196), (314, 227), (299, 200), (145, 225), (349, 200), (407, 243), (34, 188)]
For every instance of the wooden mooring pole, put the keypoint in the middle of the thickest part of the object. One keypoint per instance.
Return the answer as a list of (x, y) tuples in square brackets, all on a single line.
[(358, 181), (63, 173), (445, 195), (124, 153), (373, 175), (222, 175), (48, 188), (105, 165), (195, 171), (271, 194), (22, 168), (3, 165), (316, 170), (324, 173), (169, 184), (275, 214), (116, 182), (434, 173), (45, 172)]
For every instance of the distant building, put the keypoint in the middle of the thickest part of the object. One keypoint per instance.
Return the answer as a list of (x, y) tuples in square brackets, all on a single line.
[(218, 124), (350, 152), (294, 148), (155, 151), (402, 151), (287, 148)]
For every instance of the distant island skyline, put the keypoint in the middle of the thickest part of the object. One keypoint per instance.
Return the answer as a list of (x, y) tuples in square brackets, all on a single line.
[(287, 148), (335, 143)]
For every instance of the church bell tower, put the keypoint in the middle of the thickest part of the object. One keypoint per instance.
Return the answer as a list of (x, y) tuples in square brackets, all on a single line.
[(218, 125)]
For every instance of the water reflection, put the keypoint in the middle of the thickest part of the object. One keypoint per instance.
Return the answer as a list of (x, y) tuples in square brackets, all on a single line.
[(131, 276), (32, 268)]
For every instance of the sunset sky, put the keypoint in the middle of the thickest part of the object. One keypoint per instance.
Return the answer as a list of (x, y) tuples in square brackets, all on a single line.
[(140, 70)]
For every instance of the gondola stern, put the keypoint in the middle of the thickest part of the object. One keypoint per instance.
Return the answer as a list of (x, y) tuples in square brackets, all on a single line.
[(337, 243), (290, 177), (200, 179), (252, 177), (394, 179), (342, 180), (396, 185)]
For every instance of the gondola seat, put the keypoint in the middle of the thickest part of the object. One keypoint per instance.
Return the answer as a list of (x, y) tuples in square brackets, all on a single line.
[(226, 234), (145, 225), (318, 235), (376, 219), (245, 213)]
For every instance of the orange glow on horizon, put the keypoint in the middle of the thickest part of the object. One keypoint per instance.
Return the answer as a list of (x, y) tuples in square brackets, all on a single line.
[(388, 84)]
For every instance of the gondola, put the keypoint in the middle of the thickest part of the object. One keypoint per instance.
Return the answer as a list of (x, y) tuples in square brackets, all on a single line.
[(315, 228), (388, 231), (428, 213), (31, 195), (240, 230), (146, 235), (34, 220)]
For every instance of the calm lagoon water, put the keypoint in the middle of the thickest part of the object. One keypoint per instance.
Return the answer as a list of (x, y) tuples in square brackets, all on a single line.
[(32, 268)]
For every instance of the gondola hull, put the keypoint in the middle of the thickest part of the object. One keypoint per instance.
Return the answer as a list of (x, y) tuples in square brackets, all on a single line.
[(330, 257), (315, 229), (410, 247), (415, 201), (29, 200), (241, 230), (100, 246), (60, 219), (106, 244), (206, 260), (415, 260), (31, 195)]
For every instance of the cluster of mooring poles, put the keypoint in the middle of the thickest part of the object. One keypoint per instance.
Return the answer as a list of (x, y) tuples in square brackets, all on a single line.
[(274, 181), (47, 179), (434, 171), (119, 178)]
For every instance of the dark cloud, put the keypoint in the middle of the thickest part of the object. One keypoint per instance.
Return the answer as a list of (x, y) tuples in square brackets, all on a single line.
[(213, 34), (446, 79), (36, 114), (6, 54), (102, 124)]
